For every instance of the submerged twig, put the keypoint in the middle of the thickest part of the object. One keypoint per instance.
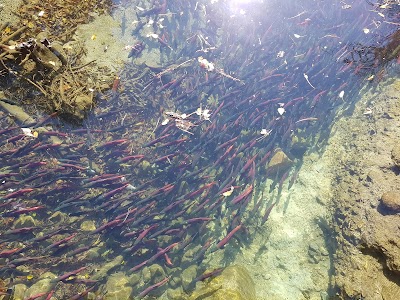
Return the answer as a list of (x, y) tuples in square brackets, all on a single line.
[(37, 85), (14, 34), (172, 68)]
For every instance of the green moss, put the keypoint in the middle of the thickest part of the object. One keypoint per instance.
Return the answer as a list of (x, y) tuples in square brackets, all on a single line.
[(145, 165)]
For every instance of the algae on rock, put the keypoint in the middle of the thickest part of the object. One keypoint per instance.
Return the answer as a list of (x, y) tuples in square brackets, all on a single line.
[(234, 283)]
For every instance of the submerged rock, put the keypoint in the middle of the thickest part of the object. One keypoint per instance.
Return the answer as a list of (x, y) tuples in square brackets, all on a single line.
[(93, 253), (25, 221), (118, 287), (82, 104), (107, 267), (396, 155), (391, 201), (88, 225), (42, 286), (188, 275), (58, 217), (234, 283), (157, 272), (44, 52), (19, 291), (47, 275), (175, 294), (299, 147), (17, 112), (278, 164), (47, 58)]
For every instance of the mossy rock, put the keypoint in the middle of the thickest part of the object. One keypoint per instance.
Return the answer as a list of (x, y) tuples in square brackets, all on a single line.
[(118, 287), (187, 277), (25, 221), (19, 291), (41, 286), (57, 217), (234, 283), (157, 272), (102, 273), (88, 226), (144, 168)]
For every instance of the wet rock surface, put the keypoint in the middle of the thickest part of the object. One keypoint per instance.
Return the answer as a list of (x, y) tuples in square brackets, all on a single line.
[(234, 283), (19, 291), (17, 112), (107, 267), (42, 286), (366, 200), (118, 287), (24, 221)]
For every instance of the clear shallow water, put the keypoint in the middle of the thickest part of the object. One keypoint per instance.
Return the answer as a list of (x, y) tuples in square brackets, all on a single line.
[(127, 189)]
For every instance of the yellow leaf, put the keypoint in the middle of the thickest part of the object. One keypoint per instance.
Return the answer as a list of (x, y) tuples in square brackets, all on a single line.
[(228, 192), (29, 277), (93, 37)]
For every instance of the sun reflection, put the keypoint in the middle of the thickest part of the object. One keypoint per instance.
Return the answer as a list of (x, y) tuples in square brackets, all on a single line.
[(240, 7), (238, 2)]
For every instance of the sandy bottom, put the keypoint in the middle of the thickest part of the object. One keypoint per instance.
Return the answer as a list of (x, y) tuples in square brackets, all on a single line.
[(289, 256), (7, 7)]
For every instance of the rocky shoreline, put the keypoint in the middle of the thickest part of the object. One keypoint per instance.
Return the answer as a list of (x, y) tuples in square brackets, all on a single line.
[(365, 161)]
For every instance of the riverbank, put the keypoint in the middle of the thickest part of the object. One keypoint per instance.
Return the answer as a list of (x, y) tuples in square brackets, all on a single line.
[(367, 259)]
